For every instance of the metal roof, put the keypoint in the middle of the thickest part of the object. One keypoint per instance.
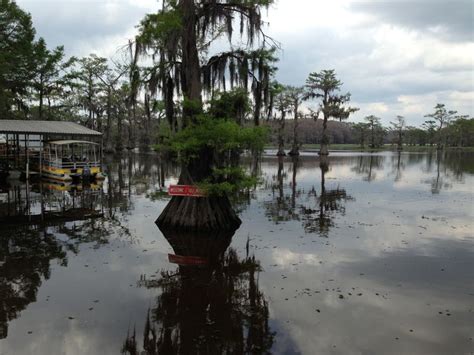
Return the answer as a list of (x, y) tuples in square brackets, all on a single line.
[(45, 127), (67, 142)]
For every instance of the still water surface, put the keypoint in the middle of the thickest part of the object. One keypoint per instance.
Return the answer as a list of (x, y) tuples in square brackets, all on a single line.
[(374, 255)]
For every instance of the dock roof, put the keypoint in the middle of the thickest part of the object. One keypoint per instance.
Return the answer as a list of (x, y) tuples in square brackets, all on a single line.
[(45, 128)]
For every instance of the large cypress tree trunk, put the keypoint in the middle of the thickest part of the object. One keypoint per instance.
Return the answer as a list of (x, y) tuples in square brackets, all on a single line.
[(195, 213), (281, 137), (372, 144), (324, 139), (295, 151), (41, 95), (258, 104), (400, 146)]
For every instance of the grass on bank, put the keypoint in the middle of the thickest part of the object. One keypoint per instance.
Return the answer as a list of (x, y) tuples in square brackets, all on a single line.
[(387, 147)]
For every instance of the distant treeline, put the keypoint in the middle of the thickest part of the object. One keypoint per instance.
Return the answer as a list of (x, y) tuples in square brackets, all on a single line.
[(459, 133)]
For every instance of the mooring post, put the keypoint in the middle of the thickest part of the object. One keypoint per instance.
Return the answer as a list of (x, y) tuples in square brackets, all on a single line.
[(41, 157), (27, 143)]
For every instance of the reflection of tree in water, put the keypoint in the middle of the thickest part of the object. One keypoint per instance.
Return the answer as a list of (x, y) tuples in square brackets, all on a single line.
[(438, 182), (134, 174), (448, 167), (118, 193), (459, 163), (243, 199), (25, 258), (208, 309), (316, 211), (398, 166), (282, 207), (437, 165), (367, 165), (27, 252), (330, 201)]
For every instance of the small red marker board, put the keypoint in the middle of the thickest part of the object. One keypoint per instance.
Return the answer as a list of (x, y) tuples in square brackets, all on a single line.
[(187, 260), (185, 190)]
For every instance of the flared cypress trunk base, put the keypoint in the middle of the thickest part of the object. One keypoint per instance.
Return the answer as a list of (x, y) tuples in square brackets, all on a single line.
[(324, 150), (324, 162), (294, 152), (199, 214)]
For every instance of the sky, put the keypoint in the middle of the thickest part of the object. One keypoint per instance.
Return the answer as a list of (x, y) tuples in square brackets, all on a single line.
[(396, 57)]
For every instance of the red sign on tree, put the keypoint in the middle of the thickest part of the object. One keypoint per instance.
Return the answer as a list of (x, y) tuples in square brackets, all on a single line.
[(185, 190)]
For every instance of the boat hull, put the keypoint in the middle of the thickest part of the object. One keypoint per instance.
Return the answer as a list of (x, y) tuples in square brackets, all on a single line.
[(69, 175)]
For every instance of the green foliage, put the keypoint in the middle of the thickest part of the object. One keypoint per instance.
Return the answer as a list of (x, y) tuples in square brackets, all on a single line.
[(227, 181), (163, 136), (325, 86), (398, 126), (230, 105), (220, 131), (430, 127), (377, 132), (16, 58), (414, 135), (157, 29), (30, 73), (443, 117), (283, 101), (360, 132), (218, 134), (461, 132), (193, 107), (47, 80)]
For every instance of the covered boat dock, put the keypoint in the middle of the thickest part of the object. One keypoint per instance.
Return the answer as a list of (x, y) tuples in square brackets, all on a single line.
[(20, 140)]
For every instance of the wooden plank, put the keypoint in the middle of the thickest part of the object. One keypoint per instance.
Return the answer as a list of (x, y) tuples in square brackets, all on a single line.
[(185, 190), (187, 260)]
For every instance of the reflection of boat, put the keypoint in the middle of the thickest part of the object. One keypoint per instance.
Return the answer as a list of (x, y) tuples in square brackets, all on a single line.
[(56, 185), (49, 201), (69, 160), (4, 170)]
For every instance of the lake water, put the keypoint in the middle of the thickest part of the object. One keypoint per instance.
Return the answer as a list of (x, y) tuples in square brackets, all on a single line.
[(373, 255)]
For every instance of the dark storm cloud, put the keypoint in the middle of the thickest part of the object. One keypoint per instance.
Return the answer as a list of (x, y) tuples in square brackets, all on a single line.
[(454, 19)]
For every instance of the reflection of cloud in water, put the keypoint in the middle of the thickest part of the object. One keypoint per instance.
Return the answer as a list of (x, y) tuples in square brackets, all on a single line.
[(285, 257), (438, 265), (385, 296)]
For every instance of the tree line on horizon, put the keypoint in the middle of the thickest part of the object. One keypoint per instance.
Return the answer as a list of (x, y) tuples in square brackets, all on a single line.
[(139, 105)]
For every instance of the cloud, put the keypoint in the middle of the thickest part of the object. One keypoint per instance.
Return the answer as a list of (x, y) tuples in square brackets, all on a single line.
[(379, 63), (87, 26), (450, 20)]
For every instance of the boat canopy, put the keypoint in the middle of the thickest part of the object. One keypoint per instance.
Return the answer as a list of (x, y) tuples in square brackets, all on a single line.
[(67, 142)]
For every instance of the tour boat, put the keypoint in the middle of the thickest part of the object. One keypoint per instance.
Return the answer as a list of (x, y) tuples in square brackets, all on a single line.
[(68, 160)]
